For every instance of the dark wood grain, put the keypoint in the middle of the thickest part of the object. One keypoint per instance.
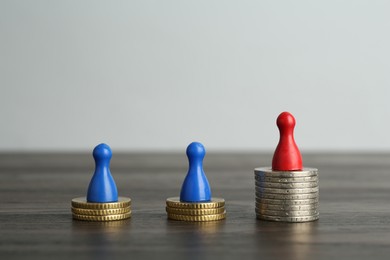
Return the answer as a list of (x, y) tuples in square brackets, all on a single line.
[(35, 219)]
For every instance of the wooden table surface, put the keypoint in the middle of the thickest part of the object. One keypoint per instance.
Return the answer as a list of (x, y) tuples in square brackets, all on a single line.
[(36, 223)]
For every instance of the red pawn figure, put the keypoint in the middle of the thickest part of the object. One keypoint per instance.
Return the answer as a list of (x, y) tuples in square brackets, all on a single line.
[(287, 156)]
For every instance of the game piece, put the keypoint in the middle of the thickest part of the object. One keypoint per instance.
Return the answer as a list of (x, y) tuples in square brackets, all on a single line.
[(102, 187), (287, 192), (195, 187), (287, 156), (195, 202), (102, 202)]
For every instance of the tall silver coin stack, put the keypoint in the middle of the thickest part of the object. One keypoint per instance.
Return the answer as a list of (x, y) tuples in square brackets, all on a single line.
[(287, 196)]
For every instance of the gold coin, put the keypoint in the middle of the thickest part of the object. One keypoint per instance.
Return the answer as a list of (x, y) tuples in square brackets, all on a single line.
[(100, 212), (82, 203), (214, 203), (195, 212), (197, 218), (102, 218)]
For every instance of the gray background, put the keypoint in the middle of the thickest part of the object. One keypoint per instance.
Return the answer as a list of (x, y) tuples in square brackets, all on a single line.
[(156, 75)]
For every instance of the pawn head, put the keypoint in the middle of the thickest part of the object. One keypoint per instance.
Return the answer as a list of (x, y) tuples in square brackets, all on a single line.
[(102, 152), (195, 151), (285, 121)]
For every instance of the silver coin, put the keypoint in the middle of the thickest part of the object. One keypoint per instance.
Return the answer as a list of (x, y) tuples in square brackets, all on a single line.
[(287, 213), (287, 202), (287, 191), (295, 185), (268, 172), (285, 180), (288, 219), (286, 207), (276, 196)]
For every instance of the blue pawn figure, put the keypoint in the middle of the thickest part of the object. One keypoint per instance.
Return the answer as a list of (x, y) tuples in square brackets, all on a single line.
[(102, 187), (195, 187)]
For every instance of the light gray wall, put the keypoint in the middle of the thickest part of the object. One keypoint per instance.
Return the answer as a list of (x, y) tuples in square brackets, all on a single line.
[(156, 75)]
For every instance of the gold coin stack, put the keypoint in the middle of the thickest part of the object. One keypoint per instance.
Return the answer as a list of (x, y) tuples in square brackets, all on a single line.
[(92, 211), (196, 212)]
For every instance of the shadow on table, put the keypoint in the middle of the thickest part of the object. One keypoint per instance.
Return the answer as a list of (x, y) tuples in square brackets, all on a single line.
[(287, 240)]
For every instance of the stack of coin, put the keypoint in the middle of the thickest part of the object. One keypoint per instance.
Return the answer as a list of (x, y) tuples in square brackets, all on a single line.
[(88, 211), (196, 212), (287, 196)]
